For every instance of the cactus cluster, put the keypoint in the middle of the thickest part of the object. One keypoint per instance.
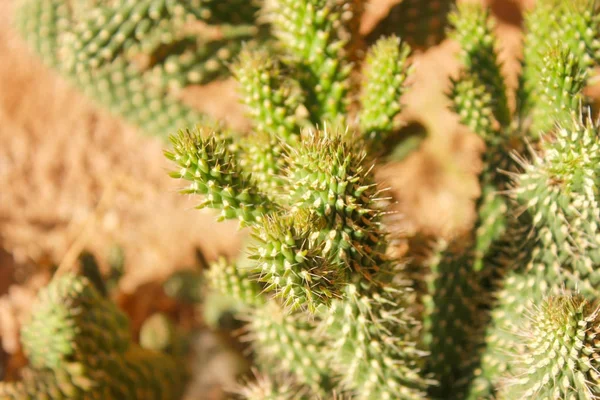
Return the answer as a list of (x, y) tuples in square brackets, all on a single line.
[(325, 302), (134, 57), (527, 276), (79, 347), (508, 312)]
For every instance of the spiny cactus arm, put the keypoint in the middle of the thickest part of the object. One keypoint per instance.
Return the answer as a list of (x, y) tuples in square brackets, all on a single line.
[(147, 374), (309, 32), (329, 175), (384, 84), (232, 281), (207, 162), (491, 225), (559, 189), (421, 24), (474, 105), (539, 22), (515, 292), (153, 37), (292, 265), (575, 24), (72, 321), (278, 336), (472, 100), (108, 31), (562, 354), (373, 339), (79, 347), (560, 95), (194, 64), (124, 92), (288, 343), (41, 24), (473, 30), (126, 55), (454, 323), (271, 98), (265, 159), (266, 387), (579, 27)]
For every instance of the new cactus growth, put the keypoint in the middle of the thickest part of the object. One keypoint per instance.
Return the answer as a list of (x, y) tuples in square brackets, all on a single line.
[(79, 347), (133, 57)]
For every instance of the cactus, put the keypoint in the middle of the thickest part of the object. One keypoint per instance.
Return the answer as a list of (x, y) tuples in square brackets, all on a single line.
[(534, 236), (134, 57), (323, 297), (79, 347), (327, 308), (561, 356), (508, 311)]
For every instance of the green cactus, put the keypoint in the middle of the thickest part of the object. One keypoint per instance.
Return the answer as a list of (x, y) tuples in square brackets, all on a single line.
[(133, 57), (505, 312), (525, 246), (266, 387), (561, 353), (318, 250), (79, 347), (385, 75), (311, 36), (325, 308)]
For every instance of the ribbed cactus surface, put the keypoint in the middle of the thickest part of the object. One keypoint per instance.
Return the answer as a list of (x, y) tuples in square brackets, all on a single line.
[(79, 347), (328, 301), (134, 57)]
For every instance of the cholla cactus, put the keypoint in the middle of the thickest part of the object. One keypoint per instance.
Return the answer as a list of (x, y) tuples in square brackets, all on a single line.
[(334, 310), (507, 268), (79, 347), (330, 314), (268, 388), (132, 57), (326, 304), (562, 355)]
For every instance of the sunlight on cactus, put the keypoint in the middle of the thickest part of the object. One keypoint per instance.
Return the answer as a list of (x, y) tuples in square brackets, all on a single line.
[(134, 57), (319, 252)]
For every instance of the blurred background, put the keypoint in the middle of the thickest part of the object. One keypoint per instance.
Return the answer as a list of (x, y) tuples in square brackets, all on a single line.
[(74, 177)]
